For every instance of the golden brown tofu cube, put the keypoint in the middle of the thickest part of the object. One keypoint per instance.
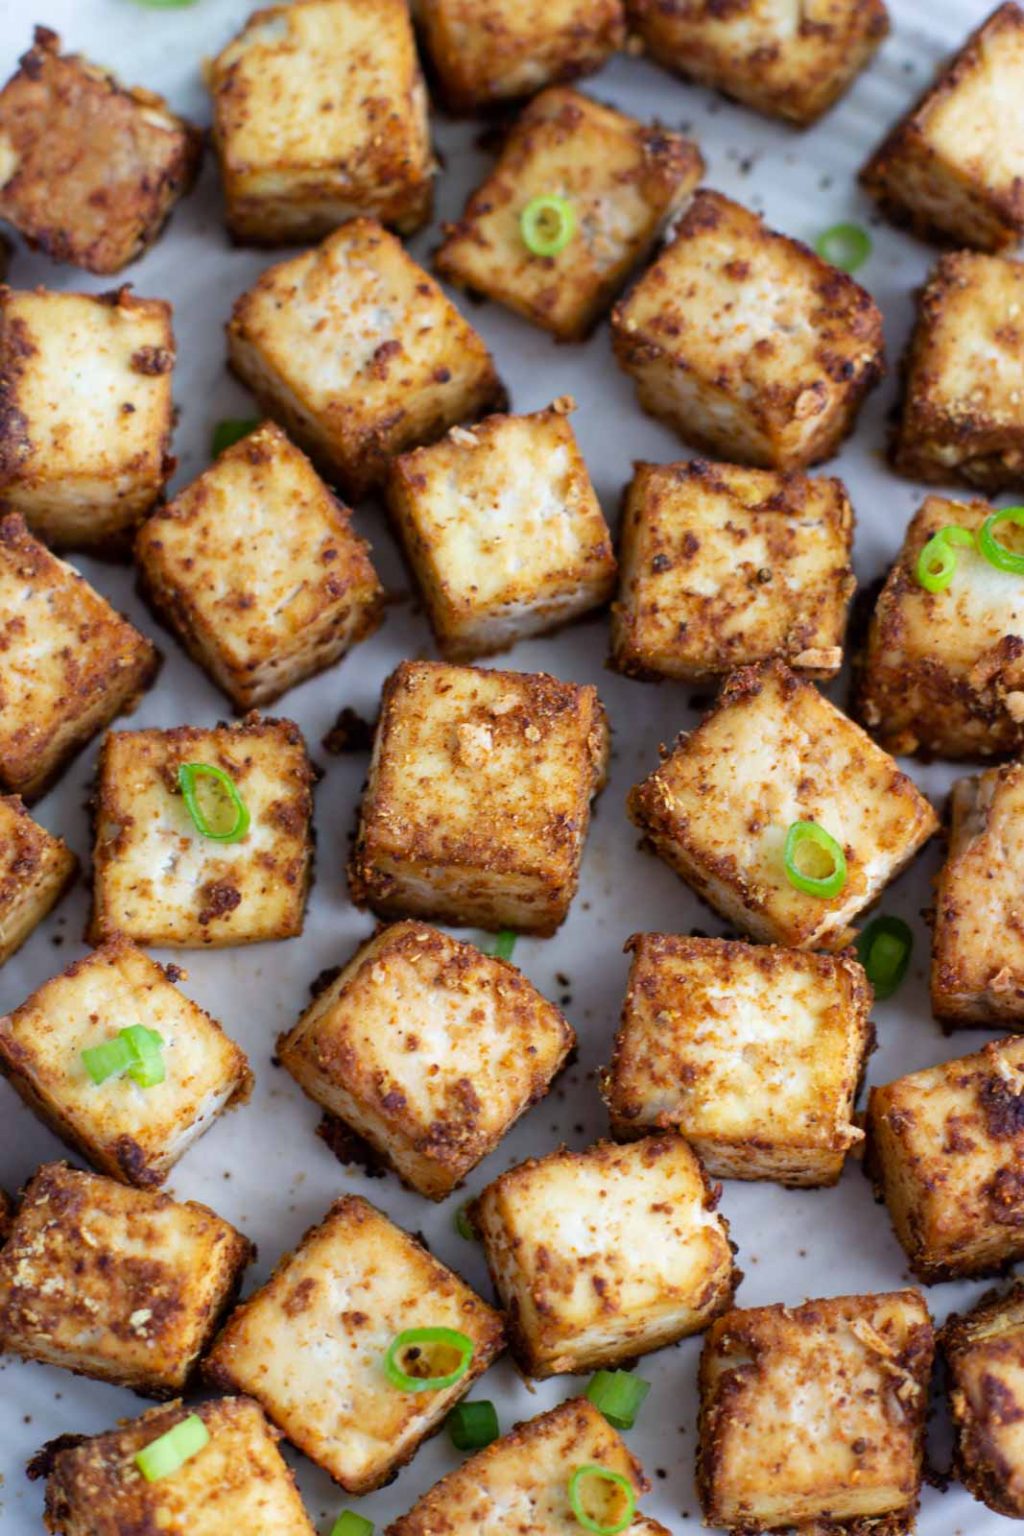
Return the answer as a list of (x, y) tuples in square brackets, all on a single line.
[(36, 868), (623, 179), (773, 752), (68, 662), (723, 566), (503, 530), (310, 1344), (429, 1050), (259, 570), (746, 342), (359, 354), (984, 1352), (133, 1133), (451, 740), (159, 879), (320, 113), (754, 1053), (89, 169), (815, 1413)]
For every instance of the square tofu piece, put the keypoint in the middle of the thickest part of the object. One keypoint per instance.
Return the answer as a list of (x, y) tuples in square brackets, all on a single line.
[(121, 1284), (429, 1050), (159, 880), (623, 179), (772, 752), (450, 741), (135, 1134), (984, 1353), (68, 662), (359, 354), (753, 1053), (503, 530), (746, 342), (320, 112), (602, 1255), (723, 566), (89, 169), (36, 869), (310, 1345), (258, 569), (815, 1413)]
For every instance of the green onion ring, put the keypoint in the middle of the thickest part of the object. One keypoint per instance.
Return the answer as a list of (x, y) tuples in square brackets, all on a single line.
[(884, 950), (463, 1226), (231, 430), (413, 1338), (846, 246), (995, 553), (547, 224), (171, 1451), (349, 1523), (472, 1426), (604, 1475), (618, 1395), (936, 563), (808, 834), (189, 775)]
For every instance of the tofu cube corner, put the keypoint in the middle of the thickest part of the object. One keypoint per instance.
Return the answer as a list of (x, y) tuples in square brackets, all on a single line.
[(984, 1354), (36, 868)]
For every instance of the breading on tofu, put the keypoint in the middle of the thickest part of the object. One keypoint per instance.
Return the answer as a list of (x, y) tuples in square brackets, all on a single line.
[(310, 1344), (320, 113), (68, 662), (159, 880), (816, 1414), (257, 567), (724, 566), (89, 169), (984, 1353), (477, 804), (357, 352), (125, 1285), (429, 1050), (746, 342), (770, 753), (602, 1255), (503, 530), (754, 1053), (36, 868), (623, 180)]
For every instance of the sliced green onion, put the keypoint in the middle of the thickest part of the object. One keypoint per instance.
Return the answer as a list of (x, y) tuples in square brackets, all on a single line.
[(995, 553), (463, 1226), (846, 246), (937, 562), (229, 828), (473, 1425), (147, 1069), (162, 1457), (810, 849), (351, 1524), (110, 1059), (165, 5), (230, 431), (547, 224), (418, 1345), (618, 1395), (504, 944), (615, 1480), (884, 951)]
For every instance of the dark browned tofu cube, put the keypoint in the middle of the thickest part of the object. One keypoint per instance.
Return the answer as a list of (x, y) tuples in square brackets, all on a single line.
[(36, 869), (984, 1351)]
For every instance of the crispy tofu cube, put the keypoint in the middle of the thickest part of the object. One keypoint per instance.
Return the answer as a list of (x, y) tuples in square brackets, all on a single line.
[(772, 752), (723, 566), (121, 1284), (602, 1255), (159, 880), (503, 529), (258, 569), (134, 1134), (36, 868), (68, 662), (359, 354), (6, 1216), (451, 740), (429, 1050), (815, 1413), (984, 1353), (320, 113), (624, 180), (309, 1345), (754, 1053), (746, 342), (89, 169)]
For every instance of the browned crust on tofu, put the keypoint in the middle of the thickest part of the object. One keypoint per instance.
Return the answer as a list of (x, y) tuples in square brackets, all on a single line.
[(6, 1216), (37, 868), (981, 1348)]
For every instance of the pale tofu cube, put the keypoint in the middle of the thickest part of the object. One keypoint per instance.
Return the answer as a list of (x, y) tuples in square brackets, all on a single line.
[(357, 352), (770, 753), (310, 1344), (429, 1050), (723, 566), (503, 530), (623, 180), (451, 741), (984, 1353), (36, 868)]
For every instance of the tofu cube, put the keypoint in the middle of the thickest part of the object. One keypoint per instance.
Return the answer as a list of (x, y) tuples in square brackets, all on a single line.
[(753, 1053), (121, 1284), (310, 1344), (429, 1050), (89, 169), (770, 753), (623, 179), (68, 662), (984, 1353), (257, 568), (602, 1255), (451, 740), (36, 868), (159, 880), (320, 113), (134, 1134), (815, 1413), (503, 530), (746, 343), (357, 352), (723, 566), (6, 1216)]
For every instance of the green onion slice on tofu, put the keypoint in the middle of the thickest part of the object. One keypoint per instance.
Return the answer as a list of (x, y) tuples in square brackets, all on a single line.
[(618, 1395), (936, 563), (815, 863), (547, 224), (232, 429), (162, 1457), (350, 1524), (224, 817), (616, 1500), (135, 1050), (427, 1359), (504, 944), (463, 1226), (846, 246), (995, 553), (473, 1425), (884, 951)]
